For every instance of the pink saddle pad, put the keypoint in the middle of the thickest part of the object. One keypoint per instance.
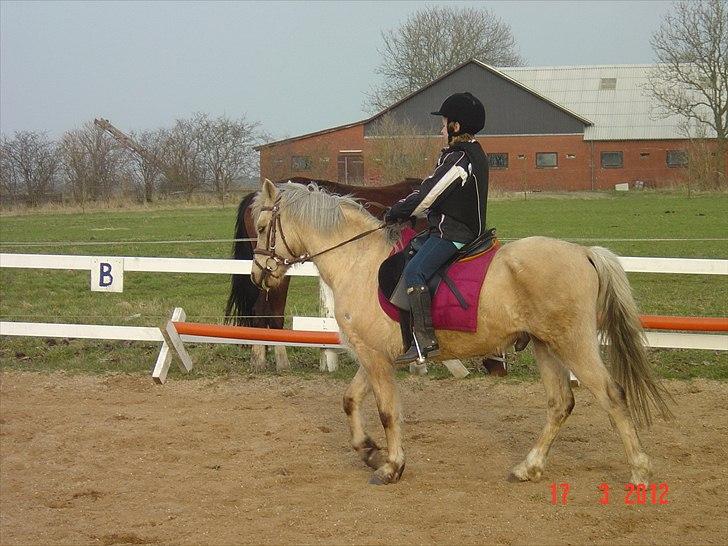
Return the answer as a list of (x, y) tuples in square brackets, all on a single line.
[(468, 275)]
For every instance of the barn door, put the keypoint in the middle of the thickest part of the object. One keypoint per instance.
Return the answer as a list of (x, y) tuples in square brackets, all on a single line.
[(351, 168)]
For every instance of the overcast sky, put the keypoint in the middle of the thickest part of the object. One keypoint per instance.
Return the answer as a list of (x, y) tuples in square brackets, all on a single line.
[(294, 66)]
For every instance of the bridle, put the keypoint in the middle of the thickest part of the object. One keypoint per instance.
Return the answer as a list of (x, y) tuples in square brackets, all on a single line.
[(273, 260)]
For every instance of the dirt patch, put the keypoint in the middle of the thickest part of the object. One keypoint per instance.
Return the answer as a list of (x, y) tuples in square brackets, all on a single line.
[(119, 460)]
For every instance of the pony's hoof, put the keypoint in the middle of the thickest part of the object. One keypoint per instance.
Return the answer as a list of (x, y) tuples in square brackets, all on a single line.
[(514, 479), (371, 454), (377, 479), (376, 459), (523, 473), (386, 475)]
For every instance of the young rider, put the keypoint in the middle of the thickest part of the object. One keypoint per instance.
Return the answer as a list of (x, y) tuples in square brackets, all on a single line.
[(454, 197)]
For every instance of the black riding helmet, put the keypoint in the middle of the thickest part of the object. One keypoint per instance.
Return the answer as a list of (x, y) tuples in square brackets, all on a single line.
[(466, 109)]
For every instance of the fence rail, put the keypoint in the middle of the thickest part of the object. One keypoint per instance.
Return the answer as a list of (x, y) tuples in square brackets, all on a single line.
[(695, 266), (145, 264)]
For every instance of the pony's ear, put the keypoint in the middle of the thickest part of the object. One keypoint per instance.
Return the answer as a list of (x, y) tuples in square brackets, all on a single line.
[(269, 190)]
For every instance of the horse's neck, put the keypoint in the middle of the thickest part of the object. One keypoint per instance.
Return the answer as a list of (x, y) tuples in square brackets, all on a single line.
[(357, 261)]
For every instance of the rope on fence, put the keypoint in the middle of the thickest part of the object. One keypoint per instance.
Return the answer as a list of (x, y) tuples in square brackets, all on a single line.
[(97, 243), (135, 316), (250, 240)]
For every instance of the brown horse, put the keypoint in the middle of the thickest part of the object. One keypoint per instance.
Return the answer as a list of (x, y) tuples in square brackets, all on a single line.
[(247, 305), (561, 293)]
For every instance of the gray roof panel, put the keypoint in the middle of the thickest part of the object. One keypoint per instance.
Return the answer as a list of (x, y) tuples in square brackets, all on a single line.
[(627, 112)]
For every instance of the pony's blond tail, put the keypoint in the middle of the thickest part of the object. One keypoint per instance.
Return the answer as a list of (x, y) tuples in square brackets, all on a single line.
[(619, 320)]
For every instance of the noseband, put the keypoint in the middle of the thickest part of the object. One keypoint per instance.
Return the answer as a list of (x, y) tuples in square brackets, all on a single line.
[(273, 260)]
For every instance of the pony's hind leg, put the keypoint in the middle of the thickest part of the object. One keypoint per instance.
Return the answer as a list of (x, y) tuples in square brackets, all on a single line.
[(586, 364), (355, 394), (560, 400)]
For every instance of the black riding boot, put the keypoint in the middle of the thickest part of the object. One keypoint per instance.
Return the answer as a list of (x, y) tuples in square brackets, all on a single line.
[(424, 333), (405, 328)]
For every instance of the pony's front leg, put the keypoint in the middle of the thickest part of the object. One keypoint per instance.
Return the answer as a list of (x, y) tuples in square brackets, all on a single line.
[(282, 362), (381, 377), (257, 358), (355, 394)]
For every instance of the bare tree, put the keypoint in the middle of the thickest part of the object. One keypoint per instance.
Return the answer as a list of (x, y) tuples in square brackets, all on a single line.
[(29, 163), (9, 181), (182, 153), (398, 151), (93, 163), (434, 40), (691, 78), (227, 150), (146, 169)]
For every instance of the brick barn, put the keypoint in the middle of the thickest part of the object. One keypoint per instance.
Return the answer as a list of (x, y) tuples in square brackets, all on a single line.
[(554, 128)]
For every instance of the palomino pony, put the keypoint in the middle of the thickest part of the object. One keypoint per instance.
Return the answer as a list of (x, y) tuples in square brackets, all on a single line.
[(561, 293), (247, 305)]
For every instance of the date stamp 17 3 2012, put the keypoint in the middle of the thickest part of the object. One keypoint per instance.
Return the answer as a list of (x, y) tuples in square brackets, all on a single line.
[(634, 494)]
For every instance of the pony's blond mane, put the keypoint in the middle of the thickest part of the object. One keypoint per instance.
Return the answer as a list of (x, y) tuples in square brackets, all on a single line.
[(316, 207)]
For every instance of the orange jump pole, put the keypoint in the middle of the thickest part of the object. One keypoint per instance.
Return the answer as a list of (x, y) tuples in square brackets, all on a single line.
[(257, 334), (650, 322), (696, 324)]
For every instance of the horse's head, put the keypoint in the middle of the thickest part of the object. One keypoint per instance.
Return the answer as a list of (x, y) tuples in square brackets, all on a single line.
[(297, 223), (277, 247)]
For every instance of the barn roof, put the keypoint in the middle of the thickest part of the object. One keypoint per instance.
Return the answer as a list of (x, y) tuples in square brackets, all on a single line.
[(500, 72), (315, 133), (613, 97), (611, 100)]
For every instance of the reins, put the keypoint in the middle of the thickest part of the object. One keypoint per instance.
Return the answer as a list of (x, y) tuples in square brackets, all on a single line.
[(355, 238), (278, 260)]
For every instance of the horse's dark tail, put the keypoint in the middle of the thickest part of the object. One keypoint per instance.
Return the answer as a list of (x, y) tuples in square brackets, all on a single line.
[(243, 293)]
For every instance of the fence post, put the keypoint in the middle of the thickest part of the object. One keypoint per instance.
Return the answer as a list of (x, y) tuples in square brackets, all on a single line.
[(161, 367), (329, 359)]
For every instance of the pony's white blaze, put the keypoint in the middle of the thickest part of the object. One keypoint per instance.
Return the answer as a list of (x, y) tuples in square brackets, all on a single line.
[(551, 289)]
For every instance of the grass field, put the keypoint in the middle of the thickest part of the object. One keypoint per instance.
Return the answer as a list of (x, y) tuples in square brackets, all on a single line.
[(620, 222)]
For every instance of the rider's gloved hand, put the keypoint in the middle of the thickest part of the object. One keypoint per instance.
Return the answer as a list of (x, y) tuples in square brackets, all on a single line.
[(391, 219)]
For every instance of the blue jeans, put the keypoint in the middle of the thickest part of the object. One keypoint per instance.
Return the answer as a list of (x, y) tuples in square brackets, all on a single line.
[(429, 258)]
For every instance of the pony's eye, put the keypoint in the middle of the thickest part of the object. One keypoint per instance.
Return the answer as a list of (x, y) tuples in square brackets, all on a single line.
[(261, 229)]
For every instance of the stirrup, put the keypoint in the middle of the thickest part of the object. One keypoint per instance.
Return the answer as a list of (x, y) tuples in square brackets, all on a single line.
[(415, 354), (410, 355)]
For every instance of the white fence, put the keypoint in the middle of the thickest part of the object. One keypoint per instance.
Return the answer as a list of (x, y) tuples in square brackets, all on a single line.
[(697, 266), (243, 267)]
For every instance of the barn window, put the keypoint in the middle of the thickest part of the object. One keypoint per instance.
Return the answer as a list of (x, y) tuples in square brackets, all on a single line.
[(498, 161), (607, 84), (351, 168), (546, 160), (612, 160), (300, 163), (677, 158)]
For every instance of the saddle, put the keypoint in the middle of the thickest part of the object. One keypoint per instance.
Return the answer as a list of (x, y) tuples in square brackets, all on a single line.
[(455, 288)]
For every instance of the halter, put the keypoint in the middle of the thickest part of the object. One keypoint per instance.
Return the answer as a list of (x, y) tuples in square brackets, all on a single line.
[(274, 260)]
